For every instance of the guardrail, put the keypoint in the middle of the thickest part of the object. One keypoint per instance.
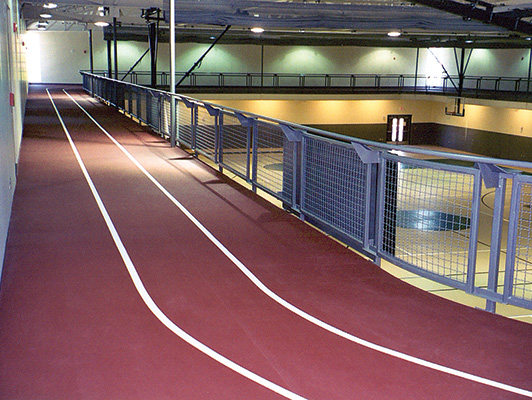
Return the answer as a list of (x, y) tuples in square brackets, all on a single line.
[(422, 215), (511, 88)]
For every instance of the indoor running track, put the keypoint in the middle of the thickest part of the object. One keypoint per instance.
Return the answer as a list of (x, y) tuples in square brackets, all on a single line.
[(134, 271)]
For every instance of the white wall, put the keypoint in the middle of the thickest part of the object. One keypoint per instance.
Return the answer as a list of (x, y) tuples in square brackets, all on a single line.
[(59, 55), (12, 86), (63, 54)]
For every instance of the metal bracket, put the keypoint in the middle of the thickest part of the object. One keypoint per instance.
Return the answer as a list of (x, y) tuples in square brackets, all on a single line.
[(246, 122), (188, 103), (293, 135), (213, 112), (490, 174), (367, 155)]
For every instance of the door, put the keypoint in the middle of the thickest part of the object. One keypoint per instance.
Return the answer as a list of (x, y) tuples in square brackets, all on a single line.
[(398, 129)]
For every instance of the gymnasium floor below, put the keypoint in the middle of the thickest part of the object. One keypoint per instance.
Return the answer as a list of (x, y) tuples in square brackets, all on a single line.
[(135, 271)]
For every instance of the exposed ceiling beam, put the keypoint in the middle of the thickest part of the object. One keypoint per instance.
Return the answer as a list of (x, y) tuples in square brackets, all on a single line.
[(325, 15), (482, 12)]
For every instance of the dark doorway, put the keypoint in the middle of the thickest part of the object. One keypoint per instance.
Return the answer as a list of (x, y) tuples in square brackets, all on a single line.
[(398, 130)]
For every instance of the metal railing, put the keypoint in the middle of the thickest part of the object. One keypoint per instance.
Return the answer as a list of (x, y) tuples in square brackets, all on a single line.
[(422, 215), (511, 88)]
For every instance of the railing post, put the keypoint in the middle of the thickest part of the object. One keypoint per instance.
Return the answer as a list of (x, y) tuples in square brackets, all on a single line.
[(371, 159), (194, 127), (493, 177), (254, 153), (513, 225), (249, 124), (353, 81)]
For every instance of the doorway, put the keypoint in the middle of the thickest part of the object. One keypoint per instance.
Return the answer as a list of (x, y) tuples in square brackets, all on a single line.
[(398, 129)]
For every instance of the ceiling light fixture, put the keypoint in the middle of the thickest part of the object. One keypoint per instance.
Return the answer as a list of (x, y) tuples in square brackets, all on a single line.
[(257, 30), (49, 5), (101, 23), (45, 15), (394, 34), (41, 25)]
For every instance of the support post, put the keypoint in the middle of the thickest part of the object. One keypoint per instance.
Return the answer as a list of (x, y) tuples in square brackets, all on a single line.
[(91, 56), (461, 73), (529, 68), (173, 130), (417, 67), (115, 48), (109, 60), (261, 66), (153, 52)]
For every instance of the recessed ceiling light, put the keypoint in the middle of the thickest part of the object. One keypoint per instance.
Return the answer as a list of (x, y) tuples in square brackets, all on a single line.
[(469, 41), (44, 15), (257, 30), (101, 23), (50, 5), (394, 34)]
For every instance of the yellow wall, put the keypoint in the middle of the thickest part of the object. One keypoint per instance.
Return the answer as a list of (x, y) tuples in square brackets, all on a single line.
[(501, 117)]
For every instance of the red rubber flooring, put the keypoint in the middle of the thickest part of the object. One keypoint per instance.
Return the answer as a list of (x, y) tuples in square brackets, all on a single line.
[(73, 326)]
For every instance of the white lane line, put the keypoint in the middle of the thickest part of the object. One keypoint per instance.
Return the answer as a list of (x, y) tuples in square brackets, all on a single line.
[(145, 295), (291, 307)]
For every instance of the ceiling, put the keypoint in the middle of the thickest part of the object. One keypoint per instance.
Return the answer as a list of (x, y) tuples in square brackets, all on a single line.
[(422, 23)]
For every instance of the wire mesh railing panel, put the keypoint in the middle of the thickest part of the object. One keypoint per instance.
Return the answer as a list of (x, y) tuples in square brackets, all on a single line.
[(86, 82), (184, 124), (120, 90), (152, 107), (133, 102), (273, 161), (427, 216), (520, 265), (143, 106), (235, 145), (334, 185), (205, 141), (165, 123)]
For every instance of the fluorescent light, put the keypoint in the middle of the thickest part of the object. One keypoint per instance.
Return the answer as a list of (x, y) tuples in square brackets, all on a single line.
[(45, 15), (50, 5), (394, 34), (101, 23), (257, 30)]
